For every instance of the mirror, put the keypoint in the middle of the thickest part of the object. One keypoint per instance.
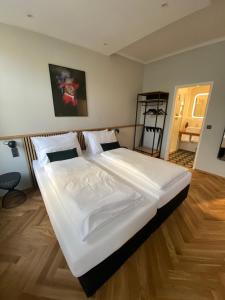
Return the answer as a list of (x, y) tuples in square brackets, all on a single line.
[(199, 105), (221, 154)]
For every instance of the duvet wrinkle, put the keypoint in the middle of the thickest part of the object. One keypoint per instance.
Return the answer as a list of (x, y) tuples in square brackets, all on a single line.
[(97, 196)]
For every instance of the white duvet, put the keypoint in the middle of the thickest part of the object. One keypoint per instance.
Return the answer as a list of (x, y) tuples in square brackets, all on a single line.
[(97, 196), (155, 172)]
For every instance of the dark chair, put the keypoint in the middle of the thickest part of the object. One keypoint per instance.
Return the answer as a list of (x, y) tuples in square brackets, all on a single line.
[(9, 181)]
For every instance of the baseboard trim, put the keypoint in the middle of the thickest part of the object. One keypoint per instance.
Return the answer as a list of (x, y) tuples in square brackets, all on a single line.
[(208, 173)]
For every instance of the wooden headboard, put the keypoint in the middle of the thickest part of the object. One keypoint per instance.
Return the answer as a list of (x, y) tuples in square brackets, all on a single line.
[(30, 151), (29, 148)]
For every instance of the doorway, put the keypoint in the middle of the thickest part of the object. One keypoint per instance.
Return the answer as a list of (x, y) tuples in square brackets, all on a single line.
[(188, 117)]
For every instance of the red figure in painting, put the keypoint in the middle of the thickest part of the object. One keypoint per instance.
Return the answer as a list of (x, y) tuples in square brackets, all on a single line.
[(70, 87)]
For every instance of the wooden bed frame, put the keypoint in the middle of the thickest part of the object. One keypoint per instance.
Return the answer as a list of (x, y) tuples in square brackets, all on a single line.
[(97, 276)]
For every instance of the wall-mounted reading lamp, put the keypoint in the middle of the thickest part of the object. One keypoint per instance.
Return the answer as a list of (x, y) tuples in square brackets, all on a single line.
[(13, 146)]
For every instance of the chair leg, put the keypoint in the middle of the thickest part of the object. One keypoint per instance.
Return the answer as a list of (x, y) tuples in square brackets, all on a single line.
[(21, 192), (11, 191), (4, 199)]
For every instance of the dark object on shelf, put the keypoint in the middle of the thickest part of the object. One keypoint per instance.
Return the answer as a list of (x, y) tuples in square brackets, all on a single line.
[(153, 129), (161, 112), (98, 275), (153, 112), (150, 111), (158, 102), (13, 197)]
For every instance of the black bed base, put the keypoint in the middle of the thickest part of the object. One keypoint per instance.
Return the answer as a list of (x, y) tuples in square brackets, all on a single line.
[(98, 275)]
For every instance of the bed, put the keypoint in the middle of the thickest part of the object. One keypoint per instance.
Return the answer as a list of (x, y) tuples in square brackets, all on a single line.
[(127, 232), (162, 196)]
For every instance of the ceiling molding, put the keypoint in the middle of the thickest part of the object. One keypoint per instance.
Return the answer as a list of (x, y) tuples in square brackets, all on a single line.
[(211, 42), (132, 58)]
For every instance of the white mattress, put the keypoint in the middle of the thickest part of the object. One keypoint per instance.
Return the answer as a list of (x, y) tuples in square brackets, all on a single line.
[(162, 197), (83, 256)]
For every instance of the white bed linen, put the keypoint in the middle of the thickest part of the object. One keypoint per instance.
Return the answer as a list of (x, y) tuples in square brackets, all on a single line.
[(54, 143), (81, 257), (94, 139), (97, 196), (162, 196), (155, 172)]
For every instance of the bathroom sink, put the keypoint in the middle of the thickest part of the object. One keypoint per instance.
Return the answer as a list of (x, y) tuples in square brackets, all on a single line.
[(193, 129)]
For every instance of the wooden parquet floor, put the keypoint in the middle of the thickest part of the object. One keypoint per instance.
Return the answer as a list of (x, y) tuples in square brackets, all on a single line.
[(183, 260)]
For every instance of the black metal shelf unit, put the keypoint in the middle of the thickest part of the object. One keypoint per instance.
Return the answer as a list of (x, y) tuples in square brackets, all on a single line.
[(151, 111)]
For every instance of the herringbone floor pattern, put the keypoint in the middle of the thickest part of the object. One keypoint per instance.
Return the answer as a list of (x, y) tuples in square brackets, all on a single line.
[(183, 260)]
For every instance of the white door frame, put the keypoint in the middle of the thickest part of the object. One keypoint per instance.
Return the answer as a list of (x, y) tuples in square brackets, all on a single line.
[(166, 156)]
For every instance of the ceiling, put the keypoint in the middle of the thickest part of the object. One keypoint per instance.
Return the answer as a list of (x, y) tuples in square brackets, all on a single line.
[(142, 30), (107, 26), (200, 28)]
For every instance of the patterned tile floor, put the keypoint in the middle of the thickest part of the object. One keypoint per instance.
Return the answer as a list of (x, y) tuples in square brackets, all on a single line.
[(182, 157)]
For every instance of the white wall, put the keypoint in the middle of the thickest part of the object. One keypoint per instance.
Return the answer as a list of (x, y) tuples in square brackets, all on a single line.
[(200, 65), (25, 90), (112, 84), (26, 104)]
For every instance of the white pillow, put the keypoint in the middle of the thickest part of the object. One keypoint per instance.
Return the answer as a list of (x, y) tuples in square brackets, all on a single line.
[(44, 145), (86, 137), (94, 139)]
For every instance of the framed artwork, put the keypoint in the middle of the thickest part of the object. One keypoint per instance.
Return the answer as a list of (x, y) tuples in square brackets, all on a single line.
[(68, 91)]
